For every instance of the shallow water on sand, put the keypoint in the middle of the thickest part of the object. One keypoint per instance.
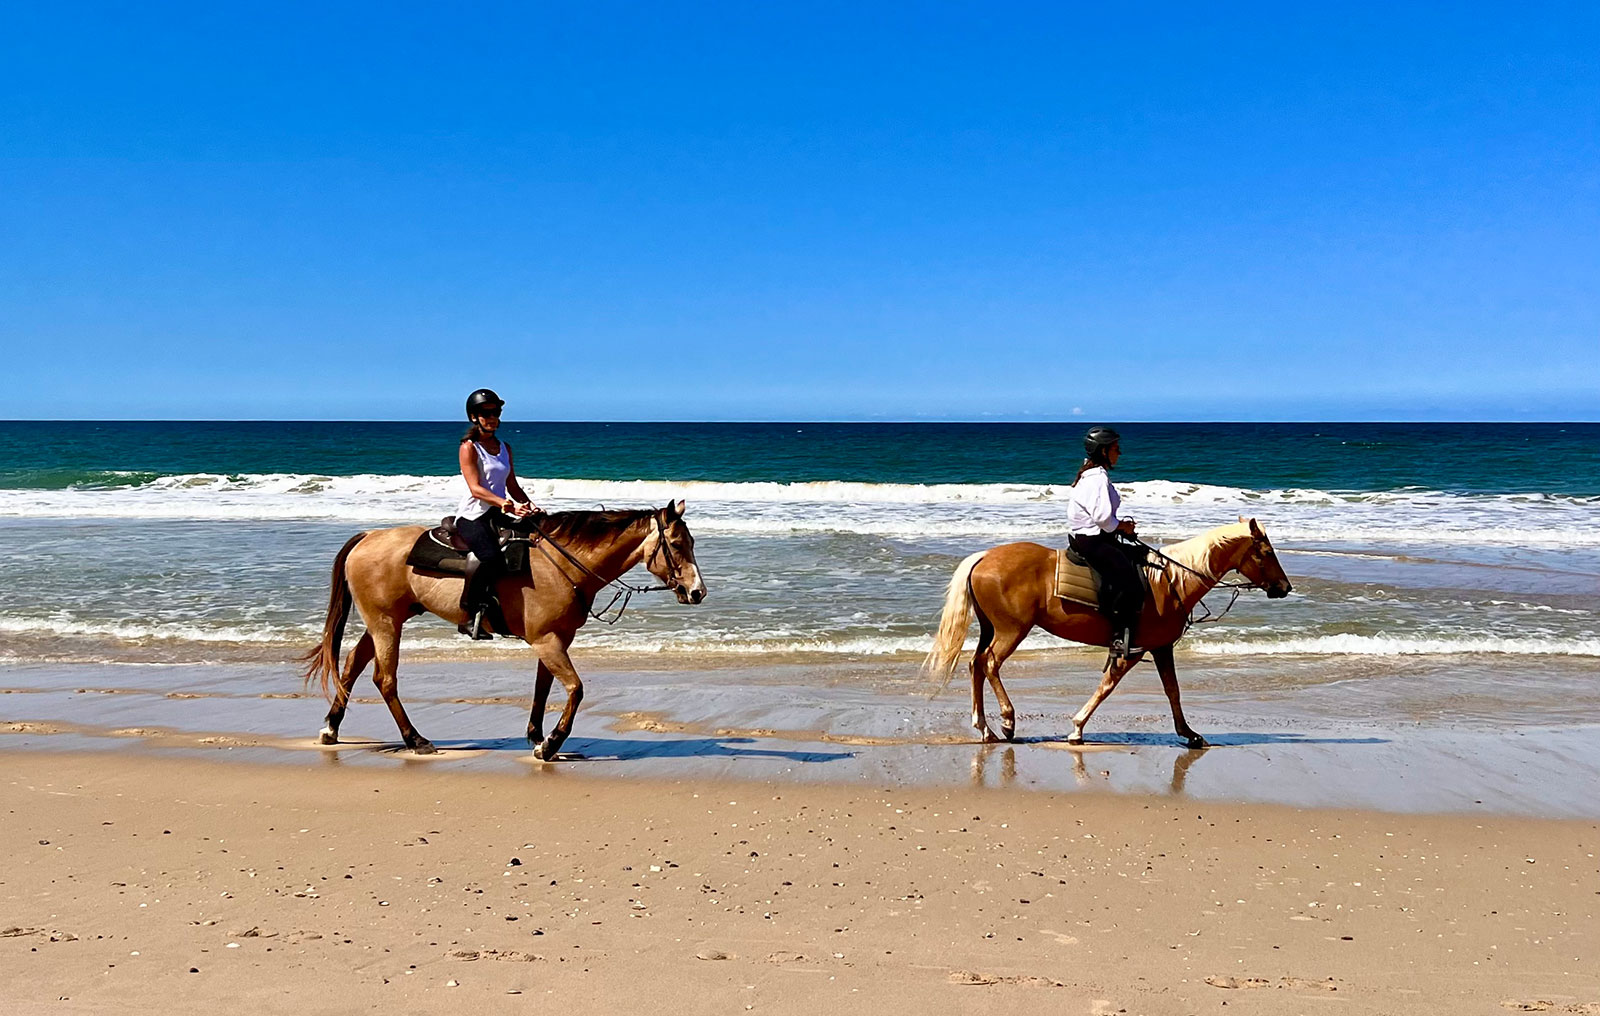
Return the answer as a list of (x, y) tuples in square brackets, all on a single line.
[(1368, 741)]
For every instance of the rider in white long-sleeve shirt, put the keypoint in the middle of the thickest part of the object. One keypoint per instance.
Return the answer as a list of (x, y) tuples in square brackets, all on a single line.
[(1093, 522)]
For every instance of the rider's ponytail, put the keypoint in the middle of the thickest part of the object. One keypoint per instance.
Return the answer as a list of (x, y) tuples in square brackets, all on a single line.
[(474, 433), (1099, 458)]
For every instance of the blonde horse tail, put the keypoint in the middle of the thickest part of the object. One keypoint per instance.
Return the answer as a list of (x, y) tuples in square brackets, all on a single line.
[(322, 662), (953, 622)]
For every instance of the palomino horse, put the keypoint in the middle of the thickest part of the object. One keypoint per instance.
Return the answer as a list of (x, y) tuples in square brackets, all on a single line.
[(1012, 589), (585, 551)]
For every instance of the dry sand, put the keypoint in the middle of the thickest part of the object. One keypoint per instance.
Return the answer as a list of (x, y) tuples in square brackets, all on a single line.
[(149, 885)]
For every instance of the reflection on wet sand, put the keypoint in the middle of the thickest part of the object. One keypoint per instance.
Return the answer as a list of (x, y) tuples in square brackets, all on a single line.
[(1007, 775), (1180, 768), (986, 772)]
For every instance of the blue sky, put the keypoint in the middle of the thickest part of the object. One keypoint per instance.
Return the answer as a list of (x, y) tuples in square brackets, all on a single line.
[(803, 211)]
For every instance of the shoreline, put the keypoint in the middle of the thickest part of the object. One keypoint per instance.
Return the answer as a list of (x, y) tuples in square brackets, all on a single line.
[(799, 725), (159, 883)]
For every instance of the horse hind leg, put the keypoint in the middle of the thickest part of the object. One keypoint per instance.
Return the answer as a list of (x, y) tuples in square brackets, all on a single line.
[(355, 663), (985, 639), (386, 651), (1005, 643)]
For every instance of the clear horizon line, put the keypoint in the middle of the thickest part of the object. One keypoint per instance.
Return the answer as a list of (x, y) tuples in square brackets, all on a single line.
[(1082, 421)]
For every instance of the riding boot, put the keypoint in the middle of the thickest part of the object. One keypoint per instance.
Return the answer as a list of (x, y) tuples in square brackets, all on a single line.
[(472, 604), (492, 617)]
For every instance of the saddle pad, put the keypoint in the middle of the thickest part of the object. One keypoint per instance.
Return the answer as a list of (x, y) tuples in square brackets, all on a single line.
[(1076, 582), (427, 555)]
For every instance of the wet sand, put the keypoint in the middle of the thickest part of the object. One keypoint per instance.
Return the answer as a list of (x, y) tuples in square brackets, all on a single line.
[(1368, 740), (144, 884)]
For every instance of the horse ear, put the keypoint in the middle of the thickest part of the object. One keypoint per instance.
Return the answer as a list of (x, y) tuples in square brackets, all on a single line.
[(674, 510), (1255, 530)]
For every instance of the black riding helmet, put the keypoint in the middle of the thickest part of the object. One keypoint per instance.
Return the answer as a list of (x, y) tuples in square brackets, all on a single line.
[(1099, 441), (480, 398)]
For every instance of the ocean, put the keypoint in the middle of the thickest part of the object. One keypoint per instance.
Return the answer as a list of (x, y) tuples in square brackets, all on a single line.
[(1439, 650), (175, 542)]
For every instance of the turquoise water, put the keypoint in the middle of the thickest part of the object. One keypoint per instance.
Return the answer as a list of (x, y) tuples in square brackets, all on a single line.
[(1471, 457), (186, 542)]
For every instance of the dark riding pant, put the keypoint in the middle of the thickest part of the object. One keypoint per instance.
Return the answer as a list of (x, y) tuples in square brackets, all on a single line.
[(1121, 592), (482, 535)]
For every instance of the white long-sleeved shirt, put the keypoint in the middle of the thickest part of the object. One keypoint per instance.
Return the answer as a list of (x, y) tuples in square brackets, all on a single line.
[(1093, 506)]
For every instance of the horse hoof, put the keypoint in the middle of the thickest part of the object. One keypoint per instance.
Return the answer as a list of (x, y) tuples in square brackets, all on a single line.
[(1074, 738), (1196, 741), (424, 748), (1009, 733), (327, 737)]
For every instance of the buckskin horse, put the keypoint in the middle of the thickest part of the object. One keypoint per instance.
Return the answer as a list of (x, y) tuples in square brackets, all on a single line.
[(1012, 590), (588, 551)]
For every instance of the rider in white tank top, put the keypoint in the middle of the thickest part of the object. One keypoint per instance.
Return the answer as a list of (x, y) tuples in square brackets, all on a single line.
[(493, 494), (492, 473)]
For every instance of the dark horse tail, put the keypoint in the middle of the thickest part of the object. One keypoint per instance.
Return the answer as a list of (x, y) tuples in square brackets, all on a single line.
[(322, 662)]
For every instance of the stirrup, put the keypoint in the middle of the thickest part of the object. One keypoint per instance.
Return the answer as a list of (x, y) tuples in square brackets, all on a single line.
[(1122, 647), (475, 627)]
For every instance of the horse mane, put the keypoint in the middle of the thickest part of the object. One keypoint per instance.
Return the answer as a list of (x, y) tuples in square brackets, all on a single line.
[(1194, 550), (587, 528)]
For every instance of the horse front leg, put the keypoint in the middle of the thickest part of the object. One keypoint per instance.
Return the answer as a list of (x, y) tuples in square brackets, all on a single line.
[(360, 656), (541, 694), (1169, 683), (553, 654), (1108, 682)]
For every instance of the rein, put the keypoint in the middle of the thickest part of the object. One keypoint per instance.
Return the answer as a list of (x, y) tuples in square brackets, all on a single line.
[(1216, 582), (623, 591)]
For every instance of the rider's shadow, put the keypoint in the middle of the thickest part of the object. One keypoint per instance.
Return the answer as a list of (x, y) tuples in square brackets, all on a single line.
[(626, 749)]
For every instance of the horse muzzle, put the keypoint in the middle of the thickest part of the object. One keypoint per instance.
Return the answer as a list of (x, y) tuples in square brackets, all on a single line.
[(1277, 592), (690, 592)]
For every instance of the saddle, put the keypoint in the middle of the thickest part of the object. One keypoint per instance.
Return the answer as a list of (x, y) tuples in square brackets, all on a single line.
[(442, 550), (1079, 583)]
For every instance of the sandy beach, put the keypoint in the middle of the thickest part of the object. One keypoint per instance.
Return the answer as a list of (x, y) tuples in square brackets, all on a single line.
[(147, 884)]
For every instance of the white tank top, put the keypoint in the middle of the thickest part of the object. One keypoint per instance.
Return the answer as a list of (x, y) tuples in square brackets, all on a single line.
[(492, 473)]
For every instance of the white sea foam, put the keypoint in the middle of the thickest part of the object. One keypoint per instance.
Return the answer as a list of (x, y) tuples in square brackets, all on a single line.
[(783, 642), (1170, 510), (1384, 645), (135, 631)]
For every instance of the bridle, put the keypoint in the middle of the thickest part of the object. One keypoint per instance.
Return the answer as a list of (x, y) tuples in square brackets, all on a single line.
[(621, 590), (1209, 617)]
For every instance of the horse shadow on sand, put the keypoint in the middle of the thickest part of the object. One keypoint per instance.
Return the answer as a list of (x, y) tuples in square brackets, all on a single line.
[(614, 749)]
